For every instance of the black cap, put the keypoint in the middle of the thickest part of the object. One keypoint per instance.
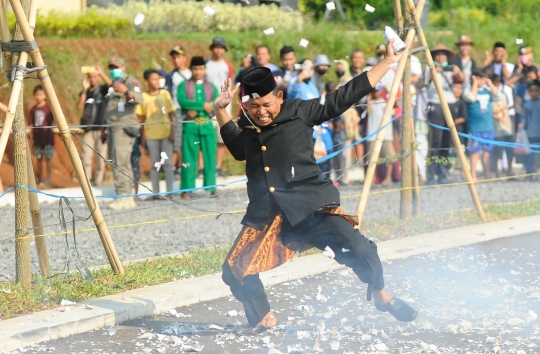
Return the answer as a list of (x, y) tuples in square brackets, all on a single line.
[(259, 82), (499, 45), (479, 72), (219, 41), (197, 61)]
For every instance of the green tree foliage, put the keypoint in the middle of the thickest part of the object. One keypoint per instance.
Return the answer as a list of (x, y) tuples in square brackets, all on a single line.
[(355, 10)]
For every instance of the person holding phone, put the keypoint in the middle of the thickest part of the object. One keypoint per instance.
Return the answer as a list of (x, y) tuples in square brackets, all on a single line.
[(122, 98), (440, 139)]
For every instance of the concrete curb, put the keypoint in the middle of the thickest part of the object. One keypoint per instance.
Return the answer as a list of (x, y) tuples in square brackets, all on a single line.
[(110, 310)]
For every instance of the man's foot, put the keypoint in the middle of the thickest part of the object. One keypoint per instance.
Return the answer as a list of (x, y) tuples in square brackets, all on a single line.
[(386, 182), (220, 172), (266, 323), (215, 195), (399, 309), (123, 204), (444, 180), (185, 196)]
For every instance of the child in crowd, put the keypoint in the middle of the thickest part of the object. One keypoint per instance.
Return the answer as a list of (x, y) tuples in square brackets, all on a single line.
[(504, 126), (479, 98), (40, 115), (531, 123), (375, 111), (157, 107)]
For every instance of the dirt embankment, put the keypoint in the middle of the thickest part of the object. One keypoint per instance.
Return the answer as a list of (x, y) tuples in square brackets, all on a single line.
[(64, 59)]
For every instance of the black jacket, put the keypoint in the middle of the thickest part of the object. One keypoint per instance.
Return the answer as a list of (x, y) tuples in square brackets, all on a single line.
[(457, 61), (280, 161)]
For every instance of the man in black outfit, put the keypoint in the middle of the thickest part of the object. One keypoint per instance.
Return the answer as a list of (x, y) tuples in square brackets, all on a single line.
[(291, 206)]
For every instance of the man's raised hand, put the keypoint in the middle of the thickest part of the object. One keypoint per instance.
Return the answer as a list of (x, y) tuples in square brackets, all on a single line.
[(226, 95)]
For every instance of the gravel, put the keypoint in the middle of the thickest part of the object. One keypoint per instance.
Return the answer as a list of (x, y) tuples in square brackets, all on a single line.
[(176, 236)]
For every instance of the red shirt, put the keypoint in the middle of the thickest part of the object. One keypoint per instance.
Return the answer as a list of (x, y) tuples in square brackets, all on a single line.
[(41, 117)]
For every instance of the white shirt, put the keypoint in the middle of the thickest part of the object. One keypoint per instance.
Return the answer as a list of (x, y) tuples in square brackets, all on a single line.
[(177, 79), (375, 119)]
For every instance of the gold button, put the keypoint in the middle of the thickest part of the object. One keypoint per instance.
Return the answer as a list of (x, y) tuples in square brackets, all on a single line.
[(263, 148), (266, 169), (272, 189), (258, 131)]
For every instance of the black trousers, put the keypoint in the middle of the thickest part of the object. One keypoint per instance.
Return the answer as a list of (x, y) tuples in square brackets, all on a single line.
[(440, 142), (318, 230)]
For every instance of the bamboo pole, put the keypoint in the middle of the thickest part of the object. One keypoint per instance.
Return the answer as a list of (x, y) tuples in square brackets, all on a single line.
[(416, 187), (23, 265), (35, 213), (35, 209), (399, 17), (360, 210), (406, 120), (406, 142), (65, 134), (446, 110)]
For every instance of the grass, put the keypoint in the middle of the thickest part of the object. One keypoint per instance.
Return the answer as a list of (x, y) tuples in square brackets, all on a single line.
[(16, 300)]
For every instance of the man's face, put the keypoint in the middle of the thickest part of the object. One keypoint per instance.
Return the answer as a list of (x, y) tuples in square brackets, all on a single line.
[(218, 52), (481, 81), (179, 61), (534, 92), (358, 61), (498, 54), (263, 57), (94, 79), (458, 90), (288, 60), (441, 58), (464, 49), (153, 82), (39, 96), (531, 75), (198, 72), (265, 109)]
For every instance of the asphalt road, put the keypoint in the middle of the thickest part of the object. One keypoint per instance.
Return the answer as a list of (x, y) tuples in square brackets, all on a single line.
[(483, 298)]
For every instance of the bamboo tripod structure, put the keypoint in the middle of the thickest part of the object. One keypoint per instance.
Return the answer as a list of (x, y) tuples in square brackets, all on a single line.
[(388, 113), (65, 133), (35, 209)]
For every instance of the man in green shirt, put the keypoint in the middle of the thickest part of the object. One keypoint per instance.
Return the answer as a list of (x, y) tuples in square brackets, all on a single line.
[(196, 97)]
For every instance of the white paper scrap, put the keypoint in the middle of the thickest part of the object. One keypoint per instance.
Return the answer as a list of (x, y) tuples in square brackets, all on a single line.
[(139, 19), (269, 31), (328, 252), (330, 6), (303, 43), (209, 11), (369, 8), (519, 41)]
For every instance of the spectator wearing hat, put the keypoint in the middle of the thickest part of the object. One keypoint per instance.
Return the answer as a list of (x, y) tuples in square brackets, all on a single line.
[(321, 65), (196, 97), (440, 139), (122, 98), (173, 79), (496, 62), (92, 102), (463, 60), (217, 71), (380, 51)]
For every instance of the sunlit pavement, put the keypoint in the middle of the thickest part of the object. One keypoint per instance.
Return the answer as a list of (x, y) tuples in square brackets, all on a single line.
[(476, 299)]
